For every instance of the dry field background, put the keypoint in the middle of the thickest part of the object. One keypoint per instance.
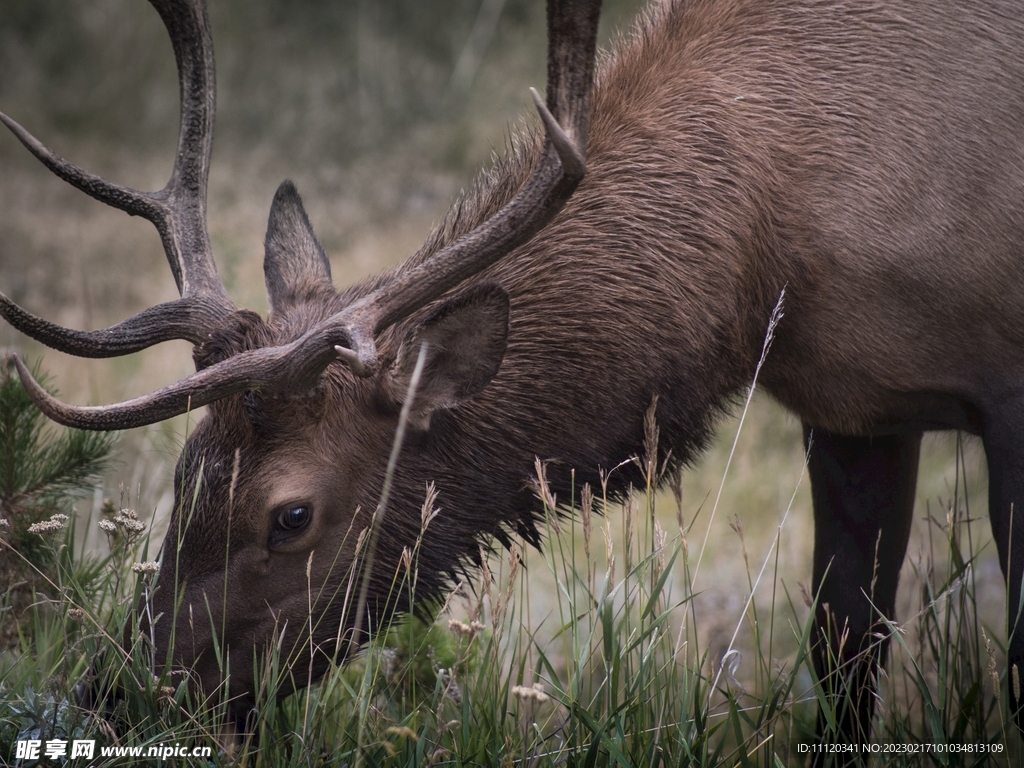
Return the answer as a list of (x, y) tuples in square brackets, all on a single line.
[(379, 111)]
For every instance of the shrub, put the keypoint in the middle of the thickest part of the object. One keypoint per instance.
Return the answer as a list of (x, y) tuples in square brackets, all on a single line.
[(43, 470)]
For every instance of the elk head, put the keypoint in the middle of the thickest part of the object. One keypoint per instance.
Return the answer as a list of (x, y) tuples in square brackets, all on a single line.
[(279, 480)]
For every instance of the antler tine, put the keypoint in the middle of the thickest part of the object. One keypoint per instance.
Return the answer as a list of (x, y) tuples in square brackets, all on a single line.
[(250, 370), (572, 44), (188, 26), (178, 211), (572, 29), (129, 200), (131, 413), (178, 319)]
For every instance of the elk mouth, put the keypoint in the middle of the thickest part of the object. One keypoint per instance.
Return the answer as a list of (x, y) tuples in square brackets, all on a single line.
[(171, 636), (102, 702)]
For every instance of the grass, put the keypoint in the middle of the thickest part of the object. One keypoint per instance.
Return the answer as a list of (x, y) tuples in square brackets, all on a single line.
[(604, 649), (640, 655)]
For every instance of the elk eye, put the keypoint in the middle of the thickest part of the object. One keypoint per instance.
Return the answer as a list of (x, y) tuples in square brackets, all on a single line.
[(292, 519)]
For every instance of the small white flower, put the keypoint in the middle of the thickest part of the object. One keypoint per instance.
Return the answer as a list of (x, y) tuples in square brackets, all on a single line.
[(4, 522), (456, 627), (534, 692), (462, 629), (55, 523), (128, 520), (149, 567)]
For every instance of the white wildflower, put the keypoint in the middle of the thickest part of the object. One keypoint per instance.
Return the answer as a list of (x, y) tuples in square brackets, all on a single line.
[(55, 523), (149, 567), (534, 692), (128, 520), (462, 629), (456, 627)]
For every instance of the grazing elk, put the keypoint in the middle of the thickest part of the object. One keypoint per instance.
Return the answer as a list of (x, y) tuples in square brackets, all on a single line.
[(866, 156)]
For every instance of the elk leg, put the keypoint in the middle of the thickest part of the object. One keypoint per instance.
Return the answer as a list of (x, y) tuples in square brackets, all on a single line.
[(1002, 435), (863, 492)]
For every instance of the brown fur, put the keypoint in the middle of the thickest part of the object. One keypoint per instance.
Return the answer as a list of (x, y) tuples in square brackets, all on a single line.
[(867, 156)]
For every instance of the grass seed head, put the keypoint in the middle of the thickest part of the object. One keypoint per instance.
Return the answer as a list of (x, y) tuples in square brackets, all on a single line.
[(587, 513), (428, 511), (651, 434)]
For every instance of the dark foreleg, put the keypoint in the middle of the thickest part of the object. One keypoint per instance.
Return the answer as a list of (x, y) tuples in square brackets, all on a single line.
[(863, 491), (1003, 435)]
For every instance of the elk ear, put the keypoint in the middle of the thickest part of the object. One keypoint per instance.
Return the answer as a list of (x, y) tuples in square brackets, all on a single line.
[(295, 265), (466, 339)]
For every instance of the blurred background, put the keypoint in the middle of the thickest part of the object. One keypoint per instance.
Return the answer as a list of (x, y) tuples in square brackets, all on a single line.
[(379, 110)]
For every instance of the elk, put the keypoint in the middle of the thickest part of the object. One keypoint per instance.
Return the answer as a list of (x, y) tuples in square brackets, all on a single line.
[(867, 157)]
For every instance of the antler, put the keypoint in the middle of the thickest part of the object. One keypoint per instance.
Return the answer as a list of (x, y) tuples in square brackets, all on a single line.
[(178, 211), (572, 42)]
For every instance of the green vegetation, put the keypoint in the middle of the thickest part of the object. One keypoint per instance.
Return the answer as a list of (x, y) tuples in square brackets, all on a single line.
[(649, 638), (616, 671), (42, 471)]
